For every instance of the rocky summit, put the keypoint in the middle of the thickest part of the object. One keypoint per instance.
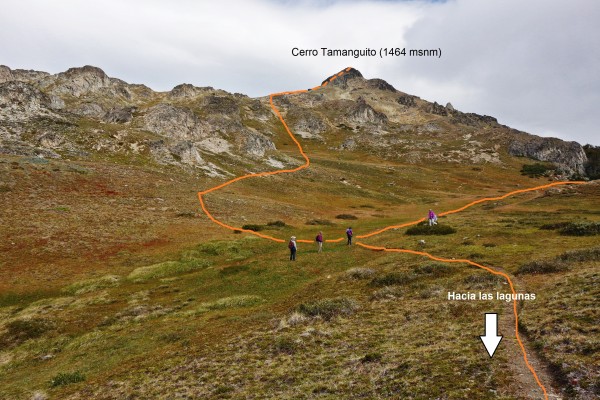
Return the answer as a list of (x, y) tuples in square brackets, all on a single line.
[(213, 132)]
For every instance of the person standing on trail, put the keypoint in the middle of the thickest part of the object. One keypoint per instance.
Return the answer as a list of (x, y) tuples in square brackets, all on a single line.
[(349, 235), (432, 218), (293, 246), (319, 240)]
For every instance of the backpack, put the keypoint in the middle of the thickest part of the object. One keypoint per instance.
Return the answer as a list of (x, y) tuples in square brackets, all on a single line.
[(291, 245)]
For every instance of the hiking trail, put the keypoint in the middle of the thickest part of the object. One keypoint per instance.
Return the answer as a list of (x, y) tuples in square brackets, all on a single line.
[(306, 164)]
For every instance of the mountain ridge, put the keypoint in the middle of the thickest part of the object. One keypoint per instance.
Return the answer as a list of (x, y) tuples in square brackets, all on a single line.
[(197, 127)]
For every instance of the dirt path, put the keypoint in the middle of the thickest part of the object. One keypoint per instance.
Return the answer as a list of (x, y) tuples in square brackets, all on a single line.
[(525, 385)]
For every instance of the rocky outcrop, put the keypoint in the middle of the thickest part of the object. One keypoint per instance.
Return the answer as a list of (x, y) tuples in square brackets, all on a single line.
[(306, 124), (437, 109), (407, 100), (90, 110), (342, 81), (568, 156), (186, 91), (21, 75), (256, 144), (363, 112), (380, 84), (174, 122), (119, 115), (20, 101)]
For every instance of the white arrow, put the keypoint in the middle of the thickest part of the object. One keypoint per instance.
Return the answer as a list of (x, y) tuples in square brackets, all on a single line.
[(491, 340)]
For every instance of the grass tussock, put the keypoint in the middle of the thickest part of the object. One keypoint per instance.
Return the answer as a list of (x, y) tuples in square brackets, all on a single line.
[(392, 279), (430, 230), (560, 263), (228, 302), (67, 378), (92, 285), (328, 309), (434, 269), (387, 293), (167, 268), (360, 273), (483, 280)]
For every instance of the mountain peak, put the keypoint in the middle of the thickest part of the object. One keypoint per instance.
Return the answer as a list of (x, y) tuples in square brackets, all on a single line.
[(342, 80)]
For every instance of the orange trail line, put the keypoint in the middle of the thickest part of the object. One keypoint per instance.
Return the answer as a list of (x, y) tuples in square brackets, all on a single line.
[(471, 204), (490, 270)]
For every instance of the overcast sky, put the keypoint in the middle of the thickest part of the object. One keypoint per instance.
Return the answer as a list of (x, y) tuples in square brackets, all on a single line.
[(535, 64)]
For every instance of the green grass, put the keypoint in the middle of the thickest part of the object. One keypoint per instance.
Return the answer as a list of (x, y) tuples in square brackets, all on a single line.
[(67, 378), (430, 230)]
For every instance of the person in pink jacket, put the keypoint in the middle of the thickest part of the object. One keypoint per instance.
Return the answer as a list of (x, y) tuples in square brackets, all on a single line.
[(432, 218)]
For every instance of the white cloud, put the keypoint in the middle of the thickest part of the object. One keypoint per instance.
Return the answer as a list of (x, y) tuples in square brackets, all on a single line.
[(533, 65)]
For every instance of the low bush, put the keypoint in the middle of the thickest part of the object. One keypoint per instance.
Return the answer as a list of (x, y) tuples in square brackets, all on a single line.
[(434, 269), (328, 308), (253, 227), (21, 330), (346, 216), (536, 170), (554, 226), (387, 293), (482, 280), (591, 254), (391, 279), (279, 224), (430, 230), (284, 345), (360, 273), (371, 357), (543, 267), (581, 229), (319, 222), (66, 378)]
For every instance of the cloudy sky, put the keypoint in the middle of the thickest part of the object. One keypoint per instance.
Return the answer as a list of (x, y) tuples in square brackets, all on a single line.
[(535, 64)]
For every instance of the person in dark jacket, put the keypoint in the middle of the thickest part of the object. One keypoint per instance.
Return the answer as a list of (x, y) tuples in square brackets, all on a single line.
[(349, 235)]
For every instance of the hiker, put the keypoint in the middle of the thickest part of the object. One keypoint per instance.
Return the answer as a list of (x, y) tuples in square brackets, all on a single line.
[(349, 234), (319, 240), (432, 218), (293, 246)]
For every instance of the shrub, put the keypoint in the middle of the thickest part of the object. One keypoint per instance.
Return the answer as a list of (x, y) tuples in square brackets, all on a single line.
[(346, 216), (277, 223), (391, 279), (284, 345), (536, 170), (581, 229), (554, 226), (21, 330), (253, 227), (430, 230), (371, 357), (66, 378), (435, 269), (360, 273), (482, 280), (328, 308), (319, 222), (592, 166), (543, 267), (591, 254), (387, 292)]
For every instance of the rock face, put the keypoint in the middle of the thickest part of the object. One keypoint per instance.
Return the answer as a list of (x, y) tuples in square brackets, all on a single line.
[(174, 122), (362, 112), (20, 101), (342, 81), (569, 156)]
